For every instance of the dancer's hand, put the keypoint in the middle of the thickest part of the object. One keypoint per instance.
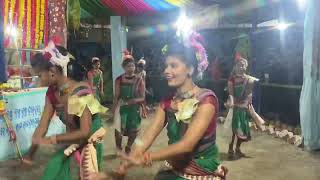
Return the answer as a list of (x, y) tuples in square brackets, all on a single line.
[(27, 161), (122, 169), (98, 176), (251, 109), (137, 160), (230, 102)]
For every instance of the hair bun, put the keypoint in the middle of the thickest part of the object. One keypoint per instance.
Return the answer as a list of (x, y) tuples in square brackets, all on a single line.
[(76, 71)]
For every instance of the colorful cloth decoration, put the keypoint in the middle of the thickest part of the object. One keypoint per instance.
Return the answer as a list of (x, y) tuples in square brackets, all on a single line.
[(127, 7)]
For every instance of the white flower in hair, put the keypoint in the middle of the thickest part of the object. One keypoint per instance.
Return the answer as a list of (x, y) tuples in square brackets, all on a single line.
[(142, 61), (56, 57), (95, 59)]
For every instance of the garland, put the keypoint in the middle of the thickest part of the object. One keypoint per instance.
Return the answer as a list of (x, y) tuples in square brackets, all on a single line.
[(16, 13), (46, 28), (6, 13), (24, 30), (42, 19), (33, 22), (28, 38), (11, 11), (30, 18), (21, 18), (36, 43)]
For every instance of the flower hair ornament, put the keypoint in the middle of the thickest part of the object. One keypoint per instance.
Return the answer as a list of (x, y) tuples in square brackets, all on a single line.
[(196, 41), (238, 58), (142, 61), (127, 55), (95, 59), (55, 57)]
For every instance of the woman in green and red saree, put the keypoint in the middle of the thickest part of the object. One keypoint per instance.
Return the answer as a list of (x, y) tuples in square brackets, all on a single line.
[(75, 104), (240, 86), (95, 78), (129, 96), (189, 115)]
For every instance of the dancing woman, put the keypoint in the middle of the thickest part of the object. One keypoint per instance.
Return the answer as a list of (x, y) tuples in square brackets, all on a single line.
[(129, 95), (189, 116), (95, 78), (240, 86), (75, 104), (140, 71)]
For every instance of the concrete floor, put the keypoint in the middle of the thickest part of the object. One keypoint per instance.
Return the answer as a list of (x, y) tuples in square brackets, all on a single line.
[(269, 159)]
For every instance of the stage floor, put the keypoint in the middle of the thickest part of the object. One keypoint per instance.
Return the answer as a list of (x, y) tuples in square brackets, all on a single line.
[(270, 159)]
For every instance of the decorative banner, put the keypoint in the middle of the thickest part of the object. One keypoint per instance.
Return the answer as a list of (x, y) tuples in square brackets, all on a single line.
[(25, 117), (126, 7)]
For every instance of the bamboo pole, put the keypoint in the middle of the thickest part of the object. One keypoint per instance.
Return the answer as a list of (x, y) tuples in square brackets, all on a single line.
[(12, 133)]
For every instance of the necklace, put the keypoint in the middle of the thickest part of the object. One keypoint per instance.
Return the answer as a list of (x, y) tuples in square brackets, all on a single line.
[(185, 95), (129, 77)]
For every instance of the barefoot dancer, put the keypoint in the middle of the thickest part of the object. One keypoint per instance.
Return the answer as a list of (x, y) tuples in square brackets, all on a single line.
[(140, 68), (190, 118), (76, 106), (129, 95), (95, 78), (240, 87), (142, 73)]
